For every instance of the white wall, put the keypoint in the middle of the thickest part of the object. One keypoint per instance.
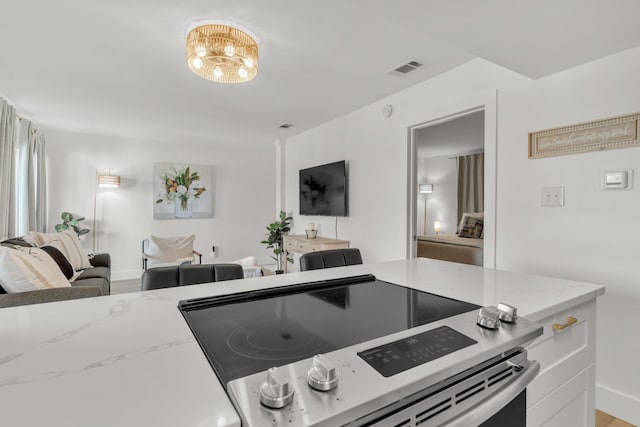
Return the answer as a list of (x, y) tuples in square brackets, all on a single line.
[(244, 181), (442, 204), (593, 238)]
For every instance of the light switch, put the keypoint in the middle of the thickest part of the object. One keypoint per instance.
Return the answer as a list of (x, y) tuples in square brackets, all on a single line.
[(552, 197), (616, 179)]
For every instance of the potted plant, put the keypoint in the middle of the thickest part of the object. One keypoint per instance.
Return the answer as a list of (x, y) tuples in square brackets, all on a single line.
[(274, 241), (68, 221)]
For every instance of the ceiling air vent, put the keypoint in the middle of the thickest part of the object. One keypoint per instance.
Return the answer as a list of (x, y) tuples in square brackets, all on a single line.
[(285, 125), (405, 68)]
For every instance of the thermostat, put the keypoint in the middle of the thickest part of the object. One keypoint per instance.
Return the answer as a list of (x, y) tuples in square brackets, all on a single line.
[(616, 179)]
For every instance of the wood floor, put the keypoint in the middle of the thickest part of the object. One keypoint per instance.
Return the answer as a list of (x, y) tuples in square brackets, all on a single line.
[(605, 420), (125, 286)]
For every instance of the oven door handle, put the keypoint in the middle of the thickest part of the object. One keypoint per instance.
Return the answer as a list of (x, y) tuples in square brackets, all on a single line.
[(488, 407)]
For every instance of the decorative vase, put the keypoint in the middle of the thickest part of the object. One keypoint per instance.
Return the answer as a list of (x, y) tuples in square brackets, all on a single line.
[(184, 209)]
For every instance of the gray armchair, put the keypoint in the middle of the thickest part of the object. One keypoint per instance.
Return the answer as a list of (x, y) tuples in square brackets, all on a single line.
[(183, 275), (330, 258)]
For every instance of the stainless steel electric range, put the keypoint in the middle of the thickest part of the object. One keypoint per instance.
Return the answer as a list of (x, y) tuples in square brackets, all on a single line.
[(361, 351)]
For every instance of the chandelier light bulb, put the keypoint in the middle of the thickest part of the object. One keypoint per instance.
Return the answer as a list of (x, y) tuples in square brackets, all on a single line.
[(222, 53)]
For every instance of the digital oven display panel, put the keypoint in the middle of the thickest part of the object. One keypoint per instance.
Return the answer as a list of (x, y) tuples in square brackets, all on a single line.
[(399, 356)]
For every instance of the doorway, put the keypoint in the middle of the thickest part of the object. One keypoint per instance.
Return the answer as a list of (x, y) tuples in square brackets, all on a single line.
[(438, 199)]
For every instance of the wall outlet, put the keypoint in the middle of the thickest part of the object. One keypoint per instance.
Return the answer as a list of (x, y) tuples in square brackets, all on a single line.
[(214, 252), (552, 197)]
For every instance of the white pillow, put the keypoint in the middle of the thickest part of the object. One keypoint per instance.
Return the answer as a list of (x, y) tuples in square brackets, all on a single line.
[(468, 214), (167, 249), (249, 261), (68, 243), (29, 269)]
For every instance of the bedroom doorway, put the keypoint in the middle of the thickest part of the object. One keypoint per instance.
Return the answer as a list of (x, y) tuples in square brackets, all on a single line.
[(452, 173)]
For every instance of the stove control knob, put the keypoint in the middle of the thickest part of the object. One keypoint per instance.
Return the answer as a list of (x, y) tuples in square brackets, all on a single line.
[(276, 392), (488, 317), (507, 313), (322, 376)]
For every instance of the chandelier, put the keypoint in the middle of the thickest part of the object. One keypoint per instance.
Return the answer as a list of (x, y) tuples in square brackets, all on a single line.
[(222, 53)]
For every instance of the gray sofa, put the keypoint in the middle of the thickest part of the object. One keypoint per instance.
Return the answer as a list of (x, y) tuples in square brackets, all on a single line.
[(92, 282)]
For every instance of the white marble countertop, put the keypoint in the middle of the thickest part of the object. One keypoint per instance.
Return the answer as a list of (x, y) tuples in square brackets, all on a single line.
[(131, 360)]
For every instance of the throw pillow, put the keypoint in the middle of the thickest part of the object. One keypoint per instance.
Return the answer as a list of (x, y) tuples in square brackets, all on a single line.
[(472, 227), (29, 269), (61, 260), (68, 243), (16, 241), (170, 249), (470, 215)]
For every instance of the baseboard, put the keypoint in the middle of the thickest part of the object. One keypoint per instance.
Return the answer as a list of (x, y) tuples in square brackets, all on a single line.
[(620, 405), (126, 274)]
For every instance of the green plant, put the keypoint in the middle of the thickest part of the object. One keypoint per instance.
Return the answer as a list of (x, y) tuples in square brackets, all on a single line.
[(274, 240), (68, 221)]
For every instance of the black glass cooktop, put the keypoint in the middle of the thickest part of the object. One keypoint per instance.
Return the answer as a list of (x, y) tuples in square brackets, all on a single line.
[(245, 333)]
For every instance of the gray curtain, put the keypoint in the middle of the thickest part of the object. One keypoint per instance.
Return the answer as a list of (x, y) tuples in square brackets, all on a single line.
[(470, 184), (8, 158)]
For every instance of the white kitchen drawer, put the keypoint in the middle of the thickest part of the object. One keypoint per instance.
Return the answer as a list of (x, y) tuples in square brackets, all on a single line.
[(562, 354), (570, 405)]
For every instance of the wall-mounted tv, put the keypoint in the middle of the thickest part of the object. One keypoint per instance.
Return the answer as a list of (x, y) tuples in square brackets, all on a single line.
[(323, 190)]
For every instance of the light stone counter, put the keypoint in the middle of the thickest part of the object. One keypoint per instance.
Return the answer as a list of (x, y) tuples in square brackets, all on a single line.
[(131, 360)]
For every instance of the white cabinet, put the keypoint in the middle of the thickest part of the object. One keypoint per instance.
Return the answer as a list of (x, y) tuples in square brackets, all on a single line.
[(563, 394), (302, 245)]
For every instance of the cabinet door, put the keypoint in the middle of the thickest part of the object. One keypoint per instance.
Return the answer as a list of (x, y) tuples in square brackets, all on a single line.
[(569, 405)]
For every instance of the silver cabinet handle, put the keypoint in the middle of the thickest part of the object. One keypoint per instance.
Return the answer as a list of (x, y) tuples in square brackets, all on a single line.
[(488, 407)]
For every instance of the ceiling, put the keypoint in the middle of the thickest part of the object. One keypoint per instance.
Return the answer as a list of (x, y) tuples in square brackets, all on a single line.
[(118, 67)]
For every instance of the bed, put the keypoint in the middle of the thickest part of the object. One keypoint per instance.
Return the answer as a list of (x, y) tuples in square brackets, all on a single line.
[(451, 247)]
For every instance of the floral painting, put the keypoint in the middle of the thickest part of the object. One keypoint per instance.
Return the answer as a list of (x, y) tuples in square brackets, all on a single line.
[(182, 191)]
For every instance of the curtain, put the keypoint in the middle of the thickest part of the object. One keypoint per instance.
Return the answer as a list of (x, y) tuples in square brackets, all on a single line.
[(34, 217), (22, 175), (470, 184), (8, 156)]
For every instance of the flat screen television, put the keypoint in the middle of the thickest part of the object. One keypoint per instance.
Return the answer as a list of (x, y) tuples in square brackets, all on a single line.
[(323, 190)]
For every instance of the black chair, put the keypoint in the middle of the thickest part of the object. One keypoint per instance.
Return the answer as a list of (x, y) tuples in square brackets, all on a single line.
[(330, 258), (189, 274)]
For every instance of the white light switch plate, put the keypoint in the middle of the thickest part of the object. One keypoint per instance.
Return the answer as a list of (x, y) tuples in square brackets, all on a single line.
[(552, 197)]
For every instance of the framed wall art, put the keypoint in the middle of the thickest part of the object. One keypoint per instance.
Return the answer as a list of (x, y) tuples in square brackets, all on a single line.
[(182, 191), (606, 134)]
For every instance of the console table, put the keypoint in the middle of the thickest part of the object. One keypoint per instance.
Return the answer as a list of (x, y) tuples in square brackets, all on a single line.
[(301, 244)]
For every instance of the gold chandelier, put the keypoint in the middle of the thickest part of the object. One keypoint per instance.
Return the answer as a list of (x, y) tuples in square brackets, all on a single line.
[(222, 53)]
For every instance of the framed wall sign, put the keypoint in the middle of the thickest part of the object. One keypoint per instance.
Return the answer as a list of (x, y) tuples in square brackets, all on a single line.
[(606, 134)]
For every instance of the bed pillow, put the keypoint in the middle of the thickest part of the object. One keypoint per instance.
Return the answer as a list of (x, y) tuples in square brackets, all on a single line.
[(170, 249), (68, 243), (472, 227), (471, 215), (29, 269), (65, 266)]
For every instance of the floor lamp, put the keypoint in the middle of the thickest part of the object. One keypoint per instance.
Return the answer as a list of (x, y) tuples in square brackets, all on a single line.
[(102, 181), (425, 189)]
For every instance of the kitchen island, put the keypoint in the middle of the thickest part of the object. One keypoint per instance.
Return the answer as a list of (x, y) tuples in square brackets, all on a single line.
[(131, 360)]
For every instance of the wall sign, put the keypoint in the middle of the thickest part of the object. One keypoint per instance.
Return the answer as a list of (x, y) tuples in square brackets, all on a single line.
[(607, 134)]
